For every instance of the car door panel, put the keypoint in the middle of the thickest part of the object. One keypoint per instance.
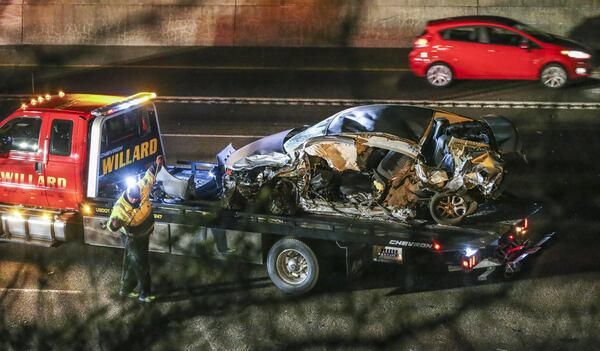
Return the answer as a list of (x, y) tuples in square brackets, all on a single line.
[(462, 51), (507, 55)]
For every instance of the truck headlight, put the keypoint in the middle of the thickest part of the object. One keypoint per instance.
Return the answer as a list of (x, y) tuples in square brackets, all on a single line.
[(576, 54)]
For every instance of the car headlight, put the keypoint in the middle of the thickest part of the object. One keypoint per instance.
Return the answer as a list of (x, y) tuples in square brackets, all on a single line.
[(576, 54)]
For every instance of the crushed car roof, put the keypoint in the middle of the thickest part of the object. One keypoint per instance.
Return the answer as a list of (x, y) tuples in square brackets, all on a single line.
[(409, 122)]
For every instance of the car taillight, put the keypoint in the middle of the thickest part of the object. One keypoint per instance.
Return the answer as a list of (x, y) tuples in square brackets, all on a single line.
[(422, 42)]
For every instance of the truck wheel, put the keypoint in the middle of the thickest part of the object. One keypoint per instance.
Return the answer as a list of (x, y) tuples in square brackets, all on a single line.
[(448, 209), (292, 266)]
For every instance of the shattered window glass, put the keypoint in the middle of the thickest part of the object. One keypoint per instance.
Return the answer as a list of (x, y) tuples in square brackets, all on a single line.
[(297, 140), (408, 122)]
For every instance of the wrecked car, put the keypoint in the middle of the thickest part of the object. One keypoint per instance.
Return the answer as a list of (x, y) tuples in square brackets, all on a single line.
[(385, 162)]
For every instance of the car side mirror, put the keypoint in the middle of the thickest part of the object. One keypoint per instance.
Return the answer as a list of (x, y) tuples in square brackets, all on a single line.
[(5, 143)]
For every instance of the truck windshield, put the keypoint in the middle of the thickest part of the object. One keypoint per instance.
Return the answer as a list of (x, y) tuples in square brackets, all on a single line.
[(24, 133)]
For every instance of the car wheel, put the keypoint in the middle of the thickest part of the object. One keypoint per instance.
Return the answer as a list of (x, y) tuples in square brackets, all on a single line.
[(448, 209), (282, 198), (292, 266), (439, 75), (554, 76)]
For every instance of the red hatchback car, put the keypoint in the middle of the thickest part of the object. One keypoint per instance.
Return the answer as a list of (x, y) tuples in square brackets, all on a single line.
[(488, 47)]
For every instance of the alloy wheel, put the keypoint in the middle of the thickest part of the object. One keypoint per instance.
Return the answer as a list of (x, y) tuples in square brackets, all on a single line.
[(554, 77), (439, 75)]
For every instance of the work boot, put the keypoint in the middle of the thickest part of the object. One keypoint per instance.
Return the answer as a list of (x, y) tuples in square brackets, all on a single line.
[(132, 294), (146, 298)]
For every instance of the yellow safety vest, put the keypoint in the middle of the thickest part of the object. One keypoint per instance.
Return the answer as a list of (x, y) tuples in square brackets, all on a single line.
[(136, 220)]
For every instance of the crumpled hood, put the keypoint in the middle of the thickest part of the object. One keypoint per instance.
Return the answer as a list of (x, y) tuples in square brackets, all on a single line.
[(259, 150)]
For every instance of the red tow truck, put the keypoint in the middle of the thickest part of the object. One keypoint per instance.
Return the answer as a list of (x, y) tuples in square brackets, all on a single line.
[(65, 158)]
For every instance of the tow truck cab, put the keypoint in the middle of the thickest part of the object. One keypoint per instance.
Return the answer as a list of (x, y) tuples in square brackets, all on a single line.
[(58, 150)]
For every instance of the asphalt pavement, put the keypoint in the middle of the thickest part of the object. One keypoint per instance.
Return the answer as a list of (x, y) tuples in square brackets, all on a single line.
[(64, 297)]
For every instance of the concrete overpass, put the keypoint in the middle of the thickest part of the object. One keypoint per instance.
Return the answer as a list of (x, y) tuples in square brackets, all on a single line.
[(286, 23)]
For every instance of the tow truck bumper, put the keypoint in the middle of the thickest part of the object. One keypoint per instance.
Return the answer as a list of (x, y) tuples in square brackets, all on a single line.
[(514, 265), (511, 264)]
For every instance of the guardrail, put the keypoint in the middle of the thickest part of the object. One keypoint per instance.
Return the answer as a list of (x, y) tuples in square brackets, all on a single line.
[(355, 102)]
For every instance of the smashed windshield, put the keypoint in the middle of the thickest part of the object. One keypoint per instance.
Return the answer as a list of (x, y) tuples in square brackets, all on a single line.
[(297, 140)]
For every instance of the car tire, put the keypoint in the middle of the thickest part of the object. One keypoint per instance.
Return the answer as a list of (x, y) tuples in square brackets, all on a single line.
[(554, 76), (449, 209), (439, 75), (292, 266)]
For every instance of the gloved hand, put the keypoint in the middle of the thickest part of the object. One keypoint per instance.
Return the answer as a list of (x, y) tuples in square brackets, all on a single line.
[(160, 161)]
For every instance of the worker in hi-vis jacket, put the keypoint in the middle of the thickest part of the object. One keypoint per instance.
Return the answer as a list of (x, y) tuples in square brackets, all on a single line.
[(132, 217)]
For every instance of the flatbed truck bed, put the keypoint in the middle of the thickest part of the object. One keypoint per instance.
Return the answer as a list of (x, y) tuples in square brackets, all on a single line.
[(199, 227)]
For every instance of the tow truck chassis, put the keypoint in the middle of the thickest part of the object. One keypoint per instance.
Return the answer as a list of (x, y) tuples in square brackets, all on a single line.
[(181, 229)]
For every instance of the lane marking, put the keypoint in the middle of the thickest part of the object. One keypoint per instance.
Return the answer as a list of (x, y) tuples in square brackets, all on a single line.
[(212, 135), (49, 291), (214, 68), (355, 102)]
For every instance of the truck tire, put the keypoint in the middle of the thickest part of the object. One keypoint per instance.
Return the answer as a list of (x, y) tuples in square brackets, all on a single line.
[(292, 266), (449, 209)]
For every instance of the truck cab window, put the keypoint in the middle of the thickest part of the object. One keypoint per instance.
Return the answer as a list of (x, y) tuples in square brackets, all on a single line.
[(60, 138), (24, 132), (129, 126)]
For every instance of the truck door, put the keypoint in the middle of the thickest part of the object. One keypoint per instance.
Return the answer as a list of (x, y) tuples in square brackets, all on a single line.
[(123, 145), (63, 170), (22, 160)]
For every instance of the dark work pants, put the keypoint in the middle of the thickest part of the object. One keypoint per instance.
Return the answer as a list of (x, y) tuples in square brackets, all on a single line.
[(136, 269)]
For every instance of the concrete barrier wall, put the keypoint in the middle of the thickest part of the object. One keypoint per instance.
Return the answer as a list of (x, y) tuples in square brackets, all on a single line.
[(327, 23)]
